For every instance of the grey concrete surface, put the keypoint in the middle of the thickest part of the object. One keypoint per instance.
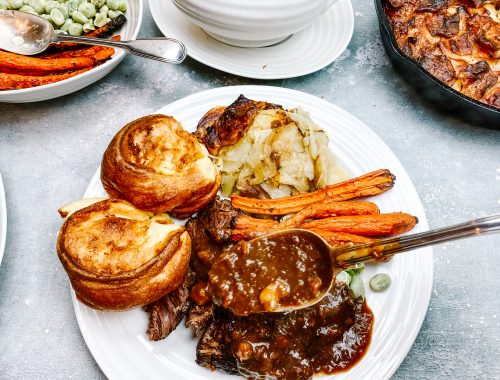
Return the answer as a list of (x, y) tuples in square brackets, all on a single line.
[(49, 151)]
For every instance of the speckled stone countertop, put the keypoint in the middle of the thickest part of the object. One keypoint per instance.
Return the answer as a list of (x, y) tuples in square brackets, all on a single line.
[(49, 151)]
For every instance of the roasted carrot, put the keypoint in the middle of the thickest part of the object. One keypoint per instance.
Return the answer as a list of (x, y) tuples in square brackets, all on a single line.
[(366, 225), (326, 209), (15, 81), (13, 61), (99, 53), (366, 185), (339, 238)]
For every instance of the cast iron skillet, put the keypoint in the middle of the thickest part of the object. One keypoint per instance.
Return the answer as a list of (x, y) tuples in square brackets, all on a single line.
[(429, 87)]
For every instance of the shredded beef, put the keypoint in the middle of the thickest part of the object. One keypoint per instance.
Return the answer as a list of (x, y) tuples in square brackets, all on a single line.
[(166, 313)]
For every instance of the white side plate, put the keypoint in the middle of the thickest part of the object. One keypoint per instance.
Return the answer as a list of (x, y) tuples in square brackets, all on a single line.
[(303, 53), (129, 31), (118, 340)]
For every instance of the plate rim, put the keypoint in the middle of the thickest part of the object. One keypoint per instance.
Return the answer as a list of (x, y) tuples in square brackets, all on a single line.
[(311, 70), (3, 219), (416, 327)]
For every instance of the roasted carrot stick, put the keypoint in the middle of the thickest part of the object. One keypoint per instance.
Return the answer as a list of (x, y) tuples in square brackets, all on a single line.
[(339, 238), (99, 53), (326, 209), (366, 225), (15, 81), (13, 61), (366, 185)]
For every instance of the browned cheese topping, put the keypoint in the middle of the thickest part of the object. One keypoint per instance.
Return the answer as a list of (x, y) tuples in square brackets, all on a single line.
[(457, 41)]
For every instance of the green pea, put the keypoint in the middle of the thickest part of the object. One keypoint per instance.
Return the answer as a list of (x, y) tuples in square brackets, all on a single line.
[(357, 287), (113, 4), (75, 29), (100, 19), (343, 277), (15, 4), (66, 25), (114, 14), (28, 9), (380, 282), (104, 9), (4, 4), (79, 17), (87, 9)]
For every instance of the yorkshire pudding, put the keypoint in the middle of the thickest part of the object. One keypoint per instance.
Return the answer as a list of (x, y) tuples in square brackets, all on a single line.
[(118, 257), (158, 166)]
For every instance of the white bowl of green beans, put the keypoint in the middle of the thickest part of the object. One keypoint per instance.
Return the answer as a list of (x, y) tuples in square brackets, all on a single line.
[(85, 15)]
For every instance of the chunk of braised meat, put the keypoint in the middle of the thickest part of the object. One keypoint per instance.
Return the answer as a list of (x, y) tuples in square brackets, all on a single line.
[(442, 25), (480, 78), (166, 313), (432, 5), (462, 45), (489, 35), (493, 97), (221, 127), (199, 316), (439, 66)]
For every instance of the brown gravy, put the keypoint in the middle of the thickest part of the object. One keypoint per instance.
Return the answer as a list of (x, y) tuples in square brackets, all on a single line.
[(269, 273)]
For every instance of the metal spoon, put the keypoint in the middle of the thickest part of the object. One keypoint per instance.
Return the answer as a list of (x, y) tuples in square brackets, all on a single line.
[(336, 259), (27, 34)]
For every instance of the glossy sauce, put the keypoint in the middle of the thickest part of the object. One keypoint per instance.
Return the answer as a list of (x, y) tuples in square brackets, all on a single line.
[(269, 273), (326, 338)]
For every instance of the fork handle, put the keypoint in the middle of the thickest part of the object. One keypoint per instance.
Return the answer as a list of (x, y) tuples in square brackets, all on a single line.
[(384, 249), (167, 50)]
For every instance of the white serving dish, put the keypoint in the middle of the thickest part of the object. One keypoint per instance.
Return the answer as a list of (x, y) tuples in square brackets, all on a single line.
[(3, 219), (129, 31), (253, 23)]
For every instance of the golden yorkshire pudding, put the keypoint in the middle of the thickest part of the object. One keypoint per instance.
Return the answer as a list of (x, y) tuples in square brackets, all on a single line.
[(158, 166), (118, 257)]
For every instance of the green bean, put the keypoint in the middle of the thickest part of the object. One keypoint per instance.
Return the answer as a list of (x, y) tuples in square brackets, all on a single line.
[(87, 9), (75, 29), (72, 7), (113, 4), (15, 4), (98, 3), (380, 282), (28, 9), (87, 27), (114, 14), (38, 6), (66, 25), (64, 10), (49, 5), (123, 6), (57, 17), (79, 17), (100, 19), (104, 9)]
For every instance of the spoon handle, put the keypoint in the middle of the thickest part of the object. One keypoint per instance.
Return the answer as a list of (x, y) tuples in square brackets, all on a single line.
[(167, 50), (384, 249)]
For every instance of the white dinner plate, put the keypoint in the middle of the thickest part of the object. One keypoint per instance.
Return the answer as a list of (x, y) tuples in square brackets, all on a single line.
[(129, 31), (3, 219), (118, 340), (303, 53)]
